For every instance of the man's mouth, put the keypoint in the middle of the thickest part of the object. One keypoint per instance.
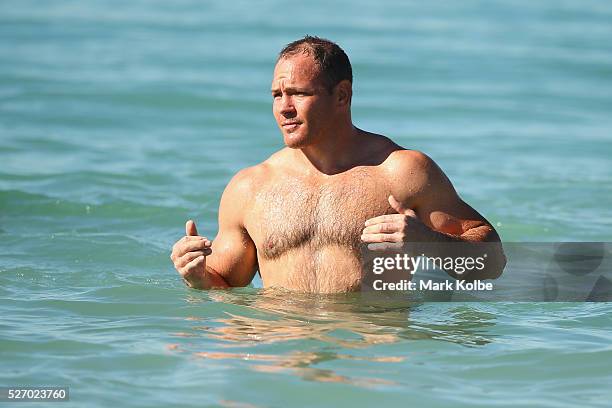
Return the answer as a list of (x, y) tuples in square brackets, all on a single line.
[(290, 126)]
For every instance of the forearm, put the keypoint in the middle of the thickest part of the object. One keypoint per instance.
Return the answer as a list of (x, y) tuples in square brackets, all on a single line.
[(478, 242), (210, 279)]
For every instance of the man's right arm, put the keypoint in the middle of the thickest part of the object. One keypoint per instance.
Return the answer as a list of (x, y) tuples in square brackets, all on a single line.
[(231, 260)]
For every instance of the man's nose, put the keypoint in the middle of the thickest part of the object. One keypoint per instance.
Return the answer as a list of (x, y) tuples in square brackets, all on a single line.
[(287, 108)]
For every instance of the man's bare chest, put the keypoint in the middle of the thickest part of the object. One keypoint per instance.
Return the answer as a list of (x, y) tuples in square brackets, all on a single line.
[(300, 213)]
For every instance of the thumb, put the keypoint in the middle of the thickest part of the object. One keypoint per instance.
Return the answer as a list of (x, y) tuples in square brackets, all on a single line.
[(397, 206), (190, 228)]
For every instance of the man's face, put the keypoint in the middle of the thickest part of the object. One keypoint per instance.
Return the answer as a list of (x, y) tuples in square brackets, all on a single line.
[(302, 107)]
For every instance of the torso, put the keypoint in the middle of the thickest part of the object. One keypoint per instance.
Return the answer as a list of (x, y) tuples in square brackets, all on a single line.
[(307, 228)]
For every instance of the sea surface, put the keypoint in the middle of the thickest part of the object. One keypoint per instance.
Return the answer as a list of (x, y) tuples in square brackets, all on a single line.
[(121, 120)]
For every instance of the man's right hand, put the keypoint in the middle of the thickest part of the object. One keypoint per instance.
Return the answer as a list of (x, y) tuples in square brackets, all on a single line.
[(189, 256)]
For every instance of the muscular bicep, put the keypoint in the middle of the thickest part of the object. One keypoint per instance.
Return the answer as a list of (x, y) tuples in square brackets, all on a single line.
[(233, 251), (439, 206), (452, 216)]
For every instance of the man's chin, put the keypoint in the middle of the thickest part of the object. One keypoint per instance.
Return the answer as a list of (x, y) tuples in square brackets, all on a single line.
[(294, 141)]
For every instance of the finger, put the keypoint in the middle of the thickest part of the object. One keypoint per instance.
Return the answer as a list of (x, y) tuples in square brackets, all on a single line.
[(373, 238), (383, 218), (193, 266), (194, 238), (384, 228), (192, 246), (190, 256), (179, 249), (410, 213), (190, 228), (396, 205), (385, 246), (180, 245)]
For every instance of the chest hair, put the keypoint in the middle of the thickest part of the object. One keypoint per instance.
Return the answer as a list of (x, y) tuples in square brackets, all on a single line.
[(297, 212)]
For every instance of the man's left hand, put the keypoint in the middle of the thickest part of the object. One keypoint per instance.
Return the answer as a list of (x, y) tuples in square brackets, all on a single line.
[(404, 226)]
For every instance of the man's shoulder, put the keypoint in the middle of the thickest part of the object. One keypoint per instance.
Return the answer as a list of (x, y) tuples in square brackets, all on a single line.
[(409, 162), (245, 181), (414, 176)]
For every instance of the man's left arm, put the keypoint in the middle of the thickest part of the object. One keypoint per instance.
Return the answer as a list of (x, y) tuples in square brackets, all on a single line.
[(429, 210)]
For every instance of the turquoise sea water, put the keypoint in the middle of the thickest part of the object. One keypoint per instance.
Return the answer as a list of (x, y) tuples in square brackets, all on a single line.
[(120, 120)]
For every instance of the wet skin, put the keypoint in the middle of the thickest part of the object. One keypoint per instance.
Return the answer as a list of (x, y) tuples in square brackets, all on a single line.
[(300, 216)]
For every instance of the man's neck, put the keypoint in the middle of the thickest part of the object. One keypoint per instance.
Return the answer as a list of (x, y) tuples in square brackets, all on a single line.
[(336, 152)]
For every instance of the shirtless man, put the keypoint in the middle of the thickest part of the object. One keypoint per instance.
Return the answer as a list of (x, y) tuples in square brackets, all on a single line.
[(301, 216)]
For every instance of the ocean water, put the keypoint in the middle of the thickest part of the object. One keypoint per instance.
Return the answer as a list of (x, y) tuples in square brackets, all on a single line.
[(120, 120)]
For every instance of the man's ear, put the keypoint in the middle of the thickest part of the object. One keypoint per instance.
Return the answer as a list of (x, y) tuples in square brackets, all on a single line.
[(344, 93)]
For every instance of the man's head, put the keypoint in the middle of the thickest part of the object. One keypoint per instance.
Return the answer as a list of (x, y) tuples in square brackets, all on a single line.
[(331, 60), (312, 90)]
